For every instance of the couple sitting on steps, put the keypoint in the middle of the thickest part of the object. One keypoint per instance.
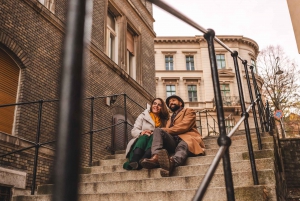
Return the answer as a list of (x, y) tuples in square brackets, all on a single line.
[(156, 137)]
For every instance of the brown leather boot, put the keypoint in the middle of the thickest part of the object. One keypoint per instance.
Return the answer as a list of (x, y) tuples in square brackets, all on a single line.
[(166, 163), (150, 163)]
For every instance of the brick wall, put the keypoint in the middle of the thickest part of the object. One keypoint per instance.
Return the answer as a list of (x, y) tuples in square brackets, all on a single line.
[(24, 160), (291, 159), (33, 37)]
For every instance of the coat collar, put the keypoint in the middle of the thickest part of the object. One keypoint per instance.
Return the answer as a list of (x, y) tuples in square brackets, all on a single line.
[(147, 117), (179, 114)]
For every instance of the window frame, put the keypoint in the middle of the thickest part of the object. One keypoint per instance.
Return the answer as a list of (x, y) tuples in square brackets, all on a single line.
[(190, 65), (170, 68), (192, 90), (223, 61), (223, 89), (172, 92)]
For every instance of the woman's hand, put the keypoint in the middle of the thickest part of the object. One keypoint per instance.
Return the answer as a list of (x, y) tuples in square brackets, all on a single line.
[(146, 132)]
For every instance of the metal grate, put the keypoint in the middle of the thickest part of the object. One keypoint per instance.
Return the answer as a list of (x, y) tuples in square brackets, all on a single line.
[(5, 193)]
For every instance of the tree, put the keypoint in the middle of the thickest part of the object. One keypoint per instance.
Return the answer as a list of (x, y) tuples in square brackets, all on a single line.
[(281, 89)]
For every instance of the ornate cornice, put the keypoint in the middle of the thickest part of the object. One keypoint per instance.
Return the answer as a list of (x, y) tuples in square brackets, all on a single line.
[(184, 39), (197, 39)]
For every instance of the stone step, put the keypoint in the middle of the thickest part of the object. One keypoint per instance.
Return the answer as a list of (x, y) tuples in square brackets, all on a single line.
[(247, 193), (201, 159), (208, 151), (266, 177), (214, 144), (213, 140), (97, 175), (265, 145)]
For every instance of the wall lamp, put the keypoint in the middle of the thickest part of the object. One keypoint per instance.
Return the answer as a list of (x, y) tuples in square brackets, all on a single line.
[(110, 100)]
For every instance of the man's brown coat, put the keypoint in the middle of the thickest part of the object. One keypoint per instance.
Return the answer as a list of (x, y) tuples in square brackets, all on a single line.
[(185, 128)]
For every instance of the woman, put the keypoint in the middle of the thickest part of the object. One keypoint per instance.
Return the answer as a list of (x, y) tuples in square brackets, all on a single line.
[(140, 146)]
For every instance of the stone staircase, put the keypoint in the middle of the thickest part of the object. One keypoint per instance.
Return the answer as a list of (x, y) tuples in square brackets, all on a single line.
[(109, 181)]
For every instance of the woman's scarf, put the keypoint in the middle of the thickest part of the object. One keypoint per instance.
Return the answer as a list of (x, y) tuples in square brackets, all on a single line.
[(156, 119)]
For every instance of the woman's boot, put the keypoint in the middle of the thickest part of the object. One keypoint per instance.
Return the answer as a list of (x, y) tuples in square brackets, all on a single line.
[(137, 155)]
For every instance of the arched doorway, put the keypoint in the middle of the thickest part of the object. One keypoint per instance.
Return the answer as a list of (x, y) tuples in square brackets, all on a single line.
[(9, 79)]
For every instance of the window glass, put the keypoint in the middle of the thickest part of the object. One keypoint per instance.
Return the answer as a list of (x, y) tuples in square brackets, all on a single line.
[(169, 62), (225, 90), (221, 61), (192, 93), (190, 63), (170, 90)]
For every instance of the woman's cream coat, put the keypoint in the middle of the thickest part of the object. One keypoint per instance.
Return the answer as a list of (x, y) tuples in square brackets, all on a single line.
[(143, 122)]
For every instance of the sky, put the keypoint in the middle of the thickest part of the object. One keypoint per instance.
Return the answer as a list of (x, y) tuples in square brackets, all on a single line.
[(267, 22)]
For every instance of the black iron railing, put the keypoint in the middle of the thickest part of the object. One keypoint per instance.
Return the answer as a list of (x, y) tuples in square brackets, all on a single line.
[(207, 124), (68, 146), (224, 140), (92, 127)]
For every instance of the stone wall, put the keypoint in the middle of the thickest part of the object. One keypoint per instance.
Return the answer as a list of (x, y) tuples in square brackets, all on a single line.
[(291, 158)]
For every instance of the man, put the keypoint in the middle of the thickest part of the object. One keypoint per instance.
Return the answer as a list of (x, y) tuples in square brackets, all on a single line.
[(180, 136)]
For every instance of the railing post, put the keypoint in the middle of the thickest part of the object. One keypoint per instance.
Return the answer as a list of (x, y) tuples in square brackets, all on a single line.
[(91, 130), (258, 96), (223, 139), (125, 126), (207, 125), (37, 146), (253, 105), (268, 116), (245, 113), (200, 123), (78, 27)]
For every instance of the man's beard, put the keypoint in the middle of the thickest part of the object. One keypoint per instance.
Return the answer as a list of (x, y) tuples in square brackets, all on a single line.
[(174, 108)]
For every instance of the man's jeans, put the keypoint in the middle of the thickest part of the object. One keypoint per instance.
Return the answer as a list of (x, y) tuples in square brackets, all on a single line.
[(163, 140)]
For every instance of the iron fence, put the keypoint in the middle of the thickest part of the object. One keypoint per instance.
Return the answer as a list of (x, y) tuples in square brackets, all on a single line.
[(207, 124), (107, 122)]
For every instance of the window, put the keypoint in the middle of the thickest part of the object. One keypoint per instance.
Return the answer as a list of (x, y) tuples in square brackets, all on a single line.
[(5, 193), (192, 93), (225, 90), (48, 4), (254, 66), (169, 62), (190, 62), (9, 78), (170, 90), (131, 53), (111, 37), (221, 61)]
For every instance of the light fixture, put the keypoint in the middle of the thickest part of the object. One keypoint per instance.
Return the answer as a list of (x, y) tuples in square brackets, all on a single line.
[(109, 100), (279, 72)]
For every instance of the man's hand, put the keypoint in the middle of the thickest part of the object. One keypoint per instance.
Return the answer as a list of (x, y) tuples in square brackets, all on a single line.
[(147, 132)]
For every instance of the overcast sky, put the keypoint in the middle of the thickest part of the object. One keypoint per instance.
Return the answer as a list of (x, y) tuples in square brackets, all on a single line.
[(265, 21)]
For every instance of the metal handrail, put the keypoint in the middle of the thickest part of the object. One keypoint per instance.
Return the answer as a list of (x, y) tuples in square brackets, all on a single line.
[(37, 143), (212, 168), (223, 141)]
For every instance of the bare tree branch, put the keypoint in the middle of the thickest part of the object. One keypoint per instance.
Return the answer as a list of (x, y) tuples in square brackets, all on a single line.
[(283, 89)]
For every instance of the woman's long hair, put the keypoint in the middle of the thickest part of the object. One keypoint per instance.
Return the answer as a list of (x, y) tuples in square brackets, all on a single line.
[(164, 113)]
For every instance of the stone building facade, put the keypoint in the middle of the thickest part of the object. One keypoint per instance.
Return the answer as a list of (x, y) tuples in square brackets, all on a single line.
[(182, 67), (121, 61)]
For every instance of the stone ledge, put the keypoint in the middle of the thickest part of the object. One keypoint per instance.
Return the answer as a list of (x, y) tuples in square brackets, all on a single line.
[(13, 178)]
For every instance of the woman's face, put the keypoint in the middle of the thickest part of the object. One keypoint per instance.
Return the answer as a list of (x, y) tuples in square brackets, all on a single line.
[(156, 106)]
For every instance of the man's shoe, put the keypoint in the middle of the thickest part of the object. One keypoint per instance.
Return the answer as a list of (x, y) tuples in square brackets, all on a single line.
[(166, 163), (150, 163)]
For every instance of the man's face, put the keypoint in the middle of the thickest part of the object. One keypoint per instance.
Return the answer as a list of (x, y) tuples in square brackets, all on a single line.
[(174, 104)]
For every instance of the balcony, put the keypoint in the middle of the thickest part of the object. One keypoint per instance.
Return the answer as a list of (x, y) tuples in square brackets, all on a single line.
[(230, 102)]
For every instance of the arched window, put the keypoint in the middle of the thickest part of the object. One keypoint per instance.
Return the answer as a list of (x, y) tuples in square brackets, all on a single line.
[(9, 78)]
